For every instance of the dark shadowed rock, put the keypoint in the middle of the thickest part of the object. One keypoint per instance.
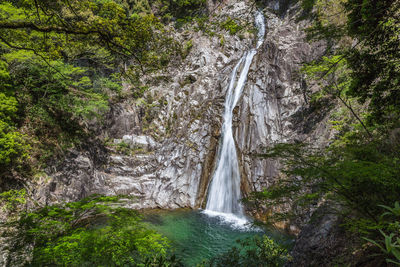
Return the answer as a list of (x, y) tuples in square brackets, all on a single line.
[(320, 241)]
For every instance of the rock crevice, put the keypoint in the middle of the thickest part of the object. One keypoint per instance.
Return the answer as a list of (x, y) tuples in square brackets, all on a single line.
[(162, 147)]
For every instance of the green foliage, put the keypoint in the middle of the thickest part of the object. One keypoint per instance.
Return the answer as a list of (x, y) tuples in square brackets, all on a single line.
[(391, 211), (221, 41), (365, 34), (124, 148), (330, 74), (51, 105), (231, 26), (186, 48), (13, 148), (107, 85), (67, 91), (8, 108), (376, 78), (182, 10), (139, 91), (85, 31), (11, 199), (61, 65), (356, 175), (95, 231), (389, 244), (359, 169), (259, 251)]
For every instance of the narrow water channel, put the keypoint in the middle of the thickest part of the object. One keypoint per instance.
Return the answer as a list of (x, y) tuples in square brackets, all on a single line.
[(224, 194)]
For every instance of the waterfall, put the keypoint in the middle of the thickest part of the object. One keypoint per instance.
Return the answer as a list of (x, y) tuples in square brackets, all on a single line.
[(224, 193)]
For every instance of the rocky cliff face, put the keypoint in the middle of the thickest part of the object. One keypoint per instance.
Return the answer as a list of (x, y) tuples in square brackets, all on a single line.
[(273, 95), (161, 147)]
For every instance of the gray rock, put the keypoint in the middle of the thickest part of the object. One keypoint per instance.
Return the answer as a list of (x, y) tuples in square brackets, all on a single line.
[(174, 144), (321, 240), (138, 141)]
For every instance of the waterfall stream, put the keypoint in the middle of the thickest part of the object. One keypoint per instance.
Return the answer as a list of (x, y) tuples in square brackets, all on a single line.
[(224, 193)]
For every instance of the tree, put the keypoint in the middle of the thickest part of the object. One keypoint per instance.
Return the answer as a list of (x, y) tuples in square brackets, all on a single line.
[(62, 61), (13, 147), (84, 30), (95, 231), (358, 75)]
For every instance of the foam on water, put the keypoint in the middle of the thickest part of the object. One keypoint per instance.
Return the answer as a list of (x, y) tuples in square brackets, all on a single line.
[(235, 221)]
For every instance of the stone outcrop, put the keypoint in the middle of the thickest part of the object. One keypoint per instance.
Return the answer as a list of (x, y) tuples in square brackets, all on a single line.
[(168, 157), (162, 147), (320, 241)]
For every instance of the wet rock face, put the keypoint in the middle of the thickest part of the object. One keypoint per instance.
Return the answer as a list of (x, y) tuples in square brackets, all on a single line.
[(162, 147), (163, 156), (273, 96)]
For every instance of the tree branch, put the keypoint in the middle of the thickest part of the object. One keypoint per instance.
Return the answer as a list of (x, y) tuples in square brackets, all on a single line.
[(32, 26), (33, 50), (348, 106)]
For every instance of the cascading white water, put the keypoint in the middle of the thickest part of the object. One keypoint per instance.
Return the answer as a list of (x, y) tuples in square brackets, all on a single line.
[(224, 193)]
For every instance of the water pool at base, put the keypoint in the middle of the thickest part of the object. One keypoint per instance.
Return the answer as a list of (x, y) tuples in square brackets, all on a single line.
[(196, 236)]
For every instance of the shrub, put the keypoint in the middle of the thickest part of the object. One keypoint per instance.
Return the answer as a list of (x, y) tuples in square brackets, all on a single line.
[(95, 231), (231, 26), (256, 252)]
